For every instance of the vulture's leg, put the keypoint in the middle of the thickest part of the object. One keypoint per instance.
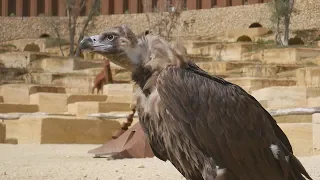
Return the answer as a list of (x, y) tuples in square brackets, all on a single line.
[(124, 125)]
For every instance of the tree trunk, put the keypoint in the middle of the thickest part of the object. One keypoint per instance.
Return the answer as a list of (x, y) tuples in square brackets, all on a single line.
[(286, 30), (278, 36), (71, 35)]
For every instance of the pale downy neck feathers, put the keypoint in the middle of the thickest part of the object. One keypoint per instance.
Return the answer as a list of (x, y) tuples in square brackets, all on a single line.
[(149, 57), (154, 52)]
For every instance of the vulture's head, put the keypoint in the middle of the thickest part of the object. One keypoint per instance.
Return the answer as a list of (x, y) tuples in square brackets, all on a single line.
[(122, 47), (112, 44)]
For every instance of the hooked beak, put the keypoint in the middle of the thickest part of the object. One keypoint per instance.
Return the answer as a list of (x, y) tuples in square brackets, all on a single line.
[(86, 43), (92, 43)]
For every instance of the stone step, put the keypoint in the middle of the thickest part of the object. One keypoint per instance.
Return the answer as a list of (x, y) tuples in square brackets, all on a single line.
[(18, 108), (280, 97), (21, 59), (287, 74), (11, 74), (199, 58), (19, 93), (261, 70), (119, 89), (73, 98), (288, 55), (50, 102), (222, 67), (64, 79), (82, 109), (309, 76), (61, 130), (312, 61), (74, 82), (254, 83), (64, 64)]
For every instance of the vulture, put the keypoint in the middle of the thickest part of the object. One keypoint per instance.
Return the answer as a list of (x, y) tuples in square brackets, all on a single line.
[(207, 127)]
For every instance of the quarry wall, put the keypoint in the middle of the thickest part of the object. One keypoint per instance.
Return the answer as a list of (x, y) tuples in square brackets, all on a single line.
[(206, 21)]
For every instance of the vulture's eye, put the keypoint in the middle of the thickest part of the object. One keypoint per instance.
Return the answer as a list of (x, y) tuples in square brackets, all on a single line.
[(110, 37)]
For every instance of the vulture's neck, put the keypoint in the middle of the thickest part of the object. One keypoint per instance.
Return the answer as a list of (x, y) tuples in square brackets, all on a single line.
[(141, 76), (121, 60)]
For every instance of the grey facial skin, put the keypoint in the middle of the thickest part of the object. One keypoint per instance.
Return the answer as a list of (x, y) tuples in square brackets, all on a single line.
[(111, 44)]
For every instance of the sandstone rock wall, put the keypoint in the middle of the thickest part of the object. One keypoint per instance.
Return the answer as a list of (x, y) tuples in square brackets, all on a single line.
[(206, 22)]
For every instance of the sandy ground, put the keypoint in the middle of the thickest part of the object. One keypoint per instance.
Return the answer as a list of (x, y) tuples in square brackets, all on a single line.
[(71, 162)]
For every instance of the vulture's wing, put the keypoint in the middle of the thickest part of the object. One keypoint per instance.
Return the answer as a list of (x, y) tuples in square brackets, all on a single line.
[(229, 125), (278, 131)]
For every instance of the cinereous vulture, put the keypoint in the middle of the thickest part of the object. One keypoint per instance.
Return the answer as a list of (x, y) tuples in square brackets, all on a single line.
[(208, 128)]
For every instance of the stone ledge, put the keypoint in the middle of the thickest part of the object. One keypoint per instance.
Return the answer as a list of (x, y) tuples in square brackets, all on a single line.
[(19, 93), (118, 89), (18, 108), (50, 102), (81, 109), (62, 130), (251, 84), (279, 97), (73, 98)]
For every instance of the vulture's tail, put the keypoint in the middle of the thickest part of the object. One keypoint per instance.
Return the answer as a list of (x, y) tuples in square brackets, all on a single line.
[(294, 168)]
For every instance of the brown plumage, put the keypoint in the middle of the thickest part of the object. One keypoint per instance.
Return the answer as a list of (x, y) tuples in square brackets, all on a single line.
[(104, 77), (208, 128)]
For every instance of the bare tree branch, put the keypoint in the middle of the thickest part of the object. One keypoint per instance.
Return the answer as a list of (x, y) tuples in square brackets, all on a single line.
[(92, 13), (282, 11), (74, 8), (165, 18)]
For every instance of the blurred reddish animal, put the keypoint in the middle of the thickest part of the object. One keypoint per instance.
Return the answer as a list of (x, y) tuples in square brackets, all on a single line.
[(104, 77)]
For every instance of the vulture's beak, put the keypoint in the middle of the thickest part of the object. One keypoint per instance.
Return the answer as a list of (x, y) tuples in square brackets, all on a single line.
[(91, 43), (86, 43)]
